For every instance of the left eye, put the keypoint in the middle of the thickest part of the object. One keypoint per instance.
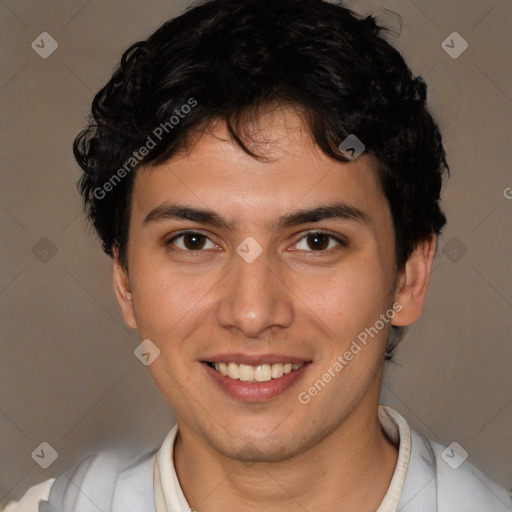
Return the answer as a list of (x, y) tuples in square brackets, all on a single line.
[(318, 241), (192, 241)]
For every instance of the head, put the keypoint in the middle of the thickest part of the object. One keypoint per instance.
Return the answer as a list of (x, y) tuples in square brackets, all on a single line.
[(226, 122)]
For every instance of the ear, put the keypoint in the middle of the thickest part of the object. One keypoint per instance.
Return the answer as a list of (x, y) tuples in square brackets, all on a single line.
[(413, 282), (123, 291)]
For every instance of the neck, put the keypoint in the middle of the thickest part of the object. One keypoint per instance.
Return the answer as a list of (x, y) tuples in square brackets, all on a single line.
[(351, 466)]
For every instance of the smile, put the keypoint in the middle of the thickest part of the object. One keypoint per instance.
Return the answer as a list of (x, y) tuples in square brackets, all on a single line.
[(259, 373), (255, 378)]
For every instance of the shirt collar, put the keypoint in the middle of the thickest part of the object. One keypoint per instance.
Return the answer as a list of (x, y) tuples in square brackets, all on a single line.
[(169, 497)]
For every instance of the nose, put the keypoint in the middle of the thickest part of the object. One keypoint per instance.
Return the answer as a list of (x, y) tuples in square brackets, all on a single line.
[(253, 299)]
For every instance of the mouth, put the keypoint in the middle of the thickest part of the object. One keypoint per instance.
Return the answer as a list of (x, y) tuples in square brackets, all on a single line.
[(260, 373), (255, 378)]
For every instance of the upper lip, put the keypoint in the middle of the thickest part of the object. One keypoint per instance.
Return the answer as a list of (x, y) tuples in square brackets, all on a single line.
[(254, 359)]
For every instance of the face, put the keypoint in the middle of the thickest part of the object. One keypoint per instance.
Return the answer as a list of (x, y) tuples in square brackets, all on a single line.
[(261, 264)]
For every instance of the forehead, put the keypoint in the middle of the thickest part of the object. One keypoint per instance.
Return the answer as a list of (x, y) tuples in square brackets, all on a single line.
[(215, 173)]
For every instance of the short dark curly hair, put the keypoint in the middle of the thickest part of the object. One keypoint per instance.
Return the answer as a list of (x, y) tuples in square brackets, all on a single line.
[(231, 59)]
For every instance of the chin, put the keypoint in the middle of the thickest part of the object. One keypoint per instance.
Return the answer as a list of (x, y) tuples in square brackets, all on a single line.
[(263, 445), (262, 451)]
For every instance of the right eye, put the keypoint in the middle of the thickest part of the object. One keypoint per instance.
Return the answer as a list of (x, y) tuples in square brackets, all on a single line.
[(191, 241)]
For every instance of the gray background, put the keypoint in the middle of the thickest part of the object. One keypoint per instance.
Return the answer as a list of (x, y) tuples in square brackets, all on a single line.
[(68, 375)]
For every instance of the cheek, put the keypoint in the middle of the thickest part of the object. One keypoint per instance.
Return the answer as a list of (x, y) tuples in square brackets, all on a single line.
[(347, 299), (165, 301)]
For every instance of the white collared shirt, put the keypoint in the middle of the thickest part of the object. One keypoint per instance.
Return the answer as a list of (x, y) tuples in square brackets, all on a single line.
[(422, 481), (169, 496)]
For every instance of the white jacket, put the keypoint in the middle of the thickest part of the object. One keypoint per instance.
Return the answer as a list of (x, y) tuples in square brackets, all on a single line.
[(116, 482)]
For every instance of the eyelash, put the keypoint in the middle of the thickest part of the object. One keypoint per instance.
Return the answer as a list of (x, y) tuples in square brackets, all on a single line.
[(340, 241)]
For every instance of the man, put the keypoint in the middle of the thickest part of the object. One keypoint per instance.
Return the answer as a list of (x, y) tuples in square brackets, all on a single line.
[(266, 178)]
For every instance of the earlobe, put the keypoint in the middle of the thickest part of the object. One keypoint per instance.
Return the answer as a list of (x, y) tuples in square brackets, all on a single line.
[(413, 282), (123, 292)]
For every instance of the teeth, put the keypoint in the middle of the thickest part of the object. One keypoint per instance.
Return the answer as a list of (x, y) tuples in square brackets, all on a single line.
[(276, 371), (263, 373), (245, 372), (233, 371), (260, 373)]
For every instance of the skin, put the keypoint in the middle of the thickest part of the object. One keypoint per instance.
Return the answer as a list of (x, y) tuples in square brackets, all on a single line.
[(277, 455)]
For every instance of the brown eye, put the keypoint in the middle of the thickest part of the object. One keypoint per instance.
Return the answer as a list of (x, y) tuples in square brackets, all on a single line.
[(191, 241), (194, 241), (318, 241)]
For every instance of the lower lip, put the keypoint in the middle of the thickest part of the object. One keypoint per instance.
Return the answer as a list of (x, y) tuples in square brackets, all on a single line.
[(255, 391)]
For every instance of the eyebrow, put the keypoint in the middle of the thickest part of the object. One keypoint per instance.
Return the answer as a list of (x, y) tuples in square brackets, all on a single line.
[(333, 211)]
